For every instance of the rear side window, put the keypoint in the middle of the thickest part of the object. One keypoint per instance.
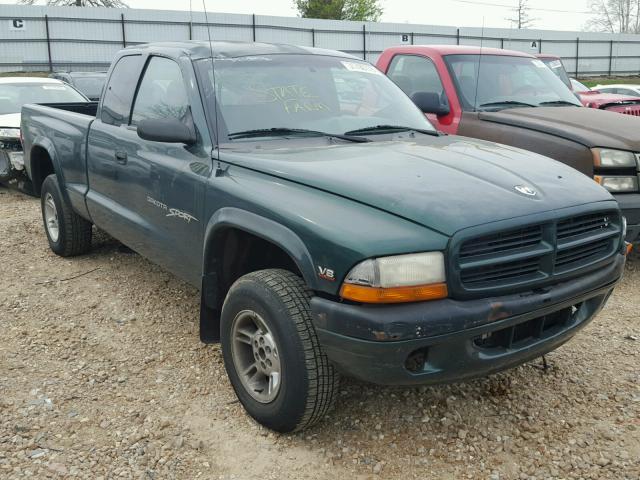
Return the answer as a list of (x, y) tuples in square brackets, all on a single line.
[(162, 93), (415, 74), (119, 93)]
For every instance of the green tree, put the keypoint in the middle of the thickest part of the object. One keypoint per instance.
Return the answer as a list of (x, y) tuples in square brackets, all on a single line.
[(357, 10)]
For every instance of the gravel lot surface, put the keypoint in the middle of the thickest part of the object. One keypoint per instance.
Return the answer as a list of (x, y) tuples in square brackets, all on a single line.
[(102, 376)]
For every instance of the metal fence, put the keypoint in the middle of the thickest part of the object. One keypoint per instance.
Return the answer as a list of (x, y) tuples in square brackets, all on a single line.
[(66, 38)]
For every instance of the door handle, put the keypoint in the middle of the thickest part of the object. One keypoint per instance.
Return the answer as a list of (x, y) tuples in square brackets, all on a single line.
[(121, 157)]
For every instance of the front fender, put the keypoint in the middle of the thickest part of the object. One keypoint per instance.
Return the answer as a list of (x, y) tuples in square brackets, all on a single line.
[(264, 228)]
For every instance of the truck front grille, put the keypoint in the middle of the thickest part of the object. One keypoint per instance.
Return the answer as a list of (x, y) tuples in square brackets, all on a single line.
[(520, 269), (501, 242), (531, 254)]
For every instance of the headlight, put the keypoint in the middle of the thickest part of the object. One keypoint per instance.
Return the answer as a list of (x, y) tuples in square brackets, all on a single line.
[(618, 184), (400, 278), (13, 133), (607, 158)]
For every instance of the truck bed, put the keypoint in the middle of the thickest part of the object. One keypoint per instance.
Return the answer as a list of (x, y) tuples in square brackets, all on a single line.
[(68, 124), (85, 108)]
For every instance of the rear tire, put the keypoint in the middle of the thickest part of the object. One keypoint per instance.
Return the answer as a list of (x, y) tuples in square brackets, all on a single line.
[(271, 352), (68, 233)]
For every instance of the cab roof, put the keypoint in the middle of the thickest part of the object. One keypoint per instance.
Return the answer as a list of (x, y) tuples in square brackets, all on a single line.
[(458, 50), (197, 49)]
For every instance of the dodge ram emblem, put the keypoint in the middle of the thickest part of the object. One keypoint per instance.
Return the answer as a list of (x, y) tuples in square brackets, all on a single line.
[(525, 190)]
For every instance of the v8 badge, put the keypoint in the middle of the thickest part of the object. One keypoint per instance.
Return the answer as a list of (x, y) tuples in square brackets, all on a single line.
[(326, 273)]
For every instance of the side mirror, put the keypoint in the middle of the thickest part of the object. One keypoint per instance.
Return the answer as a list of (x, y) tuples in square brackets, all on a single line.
[(169, 130), (429, 102)]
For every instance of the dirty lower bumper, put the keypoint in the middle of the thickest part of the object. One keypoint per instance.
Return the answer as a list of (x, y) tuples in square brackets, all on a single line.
[(630, 206), (450, 340)]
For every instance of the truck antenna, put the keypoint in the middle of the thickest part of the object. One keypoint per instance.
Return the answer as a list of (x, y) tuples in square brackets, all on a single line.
[(475, 99), (213, 76)]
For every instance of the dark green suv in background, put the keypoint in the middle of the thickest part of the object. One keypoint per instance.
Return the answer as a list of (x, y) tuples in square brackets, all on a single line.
[(329, 226)]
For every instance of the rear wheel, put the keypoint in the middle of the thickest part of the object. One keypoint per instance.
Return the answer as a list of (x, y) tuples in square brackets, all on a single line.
[(68, 233), (272, 355)]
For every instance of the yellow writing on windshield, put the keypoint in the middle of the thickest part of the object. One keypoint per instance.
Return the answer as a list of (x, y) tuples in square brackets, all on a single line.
[(293, 98)]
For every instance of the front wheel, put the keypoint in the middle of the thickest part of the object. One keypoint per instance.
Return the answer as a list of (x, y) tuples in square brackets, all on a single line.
[(271, 353)]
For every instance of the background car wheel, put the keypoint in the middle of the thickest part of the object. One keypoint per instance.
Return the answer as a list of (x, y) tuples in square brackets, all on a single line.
[(68, 233), (271, 352)]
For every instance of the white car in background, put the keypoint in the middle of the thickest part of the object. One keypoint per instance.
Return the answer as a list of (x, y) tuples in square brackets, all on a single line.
[(620, 89), (14, 93)]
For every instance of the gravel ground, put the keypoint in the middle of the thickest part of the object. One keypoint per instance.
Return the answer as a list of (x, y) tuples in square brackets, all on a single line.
[(102, 376)]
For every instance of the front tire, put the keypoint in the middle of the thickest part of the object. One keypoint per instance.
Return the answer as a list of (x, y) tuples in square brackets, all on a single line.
[(68, 233), (271, 352)]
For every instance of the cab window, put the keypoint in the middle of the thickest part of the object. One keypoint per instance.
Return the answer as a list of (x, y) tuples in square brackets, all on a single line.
[(162, 92), (119, 93), (413, 74)]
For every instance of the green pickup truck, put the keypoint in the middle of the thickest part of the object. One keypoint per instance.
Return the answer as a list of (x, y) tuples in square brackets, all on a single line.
[(330, 228)]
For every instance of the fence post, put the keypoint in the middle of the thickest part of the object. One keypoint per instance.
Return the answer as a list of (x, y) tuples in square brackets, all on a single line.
[(46, 24), (411, 38), (313, 37), (190, 29), (364, 42), (124, 36), (253, 26), (610, 55), (577, 55), (502, 43), (457, 36), (540, 46)]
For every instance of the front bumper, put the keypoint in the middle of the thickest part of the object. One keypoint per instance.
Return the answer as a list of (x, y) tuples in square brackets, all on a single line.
[(450, 340), (630, 206)]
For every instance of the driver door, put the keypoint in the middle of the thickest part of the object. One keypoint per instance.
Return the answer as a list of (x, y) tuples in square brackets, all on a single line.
[(169, 178)]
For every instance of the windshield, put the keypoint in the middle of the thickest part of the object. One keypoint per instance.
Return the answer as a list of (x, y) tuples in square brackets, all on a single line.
[(557, 67), (90, 86), (505, 82), (14, 95), (307, 92)]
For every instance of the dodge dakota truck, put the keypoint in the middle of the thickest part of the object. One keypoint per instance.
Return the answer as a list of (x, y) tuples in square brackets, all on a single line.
[(513, 98), (330, 228)]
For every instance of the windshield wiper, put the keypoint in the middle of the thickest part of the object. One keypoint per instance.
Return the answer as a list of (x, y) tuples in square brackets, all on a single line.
[(559, 102), (389, 128), (283, 132), (507, 102)]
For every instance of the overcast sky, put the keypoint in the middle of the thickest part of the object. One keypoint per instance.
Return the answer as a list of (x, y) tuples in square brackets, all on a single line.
[(548, 14)]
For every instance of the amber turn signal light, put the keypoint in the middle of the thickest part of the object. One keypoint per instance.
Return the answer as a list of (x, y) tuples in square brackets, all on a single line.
[(418, 293), (628, 248)]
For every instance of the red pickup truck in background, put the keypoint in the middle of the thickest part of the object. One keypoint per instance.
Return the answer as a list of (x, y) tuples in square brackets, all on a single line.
[(513, 98), (627, 104)]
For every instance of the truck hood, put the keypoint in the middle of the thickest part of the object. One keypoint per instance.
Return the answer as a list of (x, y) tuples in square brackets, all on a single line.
[(444, 183), (587, 126), (10, 120)]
